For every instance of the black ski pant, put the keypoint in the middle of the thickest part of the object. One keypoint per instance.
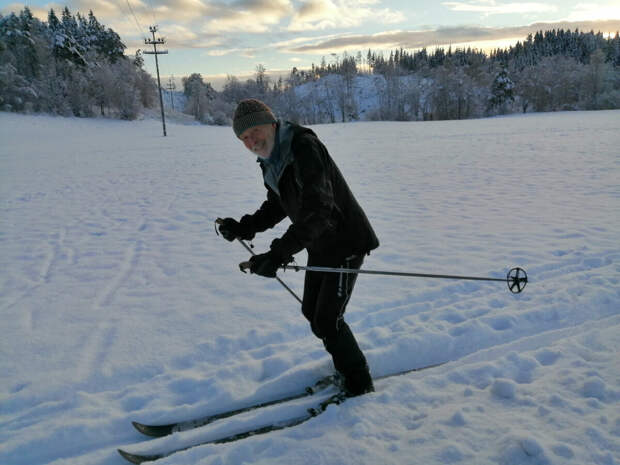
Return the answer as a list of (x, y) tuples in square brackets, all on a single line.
[(325, 299)]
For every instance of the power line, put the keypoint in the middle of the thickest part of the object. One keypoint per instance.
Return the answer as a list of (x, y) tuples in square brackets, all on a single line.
[(126, 18), (135, 18), (152, 12)]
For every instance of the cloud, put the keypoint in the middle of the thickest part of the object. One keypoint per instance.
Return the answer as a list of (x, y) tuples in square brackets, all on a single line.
[(330, 14), (301, 40), (248, 16), (181, 36), (103, 8), (434, 37), (244, 52), (177, 10), (491, 7), (221, 27), (592, 12), (315, 10), (208, 15), (39, 12)]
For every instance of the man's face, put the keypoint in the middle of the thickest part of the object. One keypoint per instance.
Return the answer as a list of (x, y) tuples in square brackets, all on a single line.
[(259, 139)]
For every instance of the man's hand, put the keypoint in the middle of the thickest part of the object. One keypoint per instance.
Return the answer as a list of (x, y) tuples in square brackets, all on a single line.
[(229, 228), (232, 229), (265, 264)]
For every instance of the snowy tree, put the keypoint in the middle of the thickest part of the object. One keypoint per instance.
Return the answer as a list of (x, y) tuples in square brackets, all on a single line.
[(453, 94), (325, 103), (138, 59), (348, 71), (64, 41), (198, 96), (109, 44), (29, 63), (18, 63), (78, 97), (234, 91), (16, 93), (69, 24), (102, 88), (60, 66), (146, 88), (124, 96), (262, 81), (532, 87), (390, 96), (290, 105), (53, 23), (598, 85), (501, 92)]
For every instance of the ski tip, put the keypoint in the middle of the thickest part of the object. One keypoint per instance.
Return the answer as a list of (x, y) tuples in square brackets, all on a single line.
[(133, 458), (156, 431)]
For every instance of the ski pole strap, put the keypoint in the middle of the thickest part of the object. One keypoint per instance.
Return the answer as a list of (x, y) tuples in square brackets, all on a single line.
[(516, 278)]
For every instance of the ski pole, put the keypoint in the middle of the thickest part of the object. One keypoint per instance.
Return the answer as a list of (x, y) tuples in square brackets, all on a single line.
[(516, 277), (219, 221)]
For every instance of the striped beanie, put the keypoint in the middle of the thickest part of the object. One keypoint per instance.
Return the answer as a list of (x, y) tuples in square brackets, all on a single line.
[(249, 113)]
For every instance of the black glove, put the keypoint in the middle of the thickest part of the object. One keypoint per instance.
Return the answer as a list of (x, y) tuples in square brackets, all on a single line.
[(232, 229), (265, 264)]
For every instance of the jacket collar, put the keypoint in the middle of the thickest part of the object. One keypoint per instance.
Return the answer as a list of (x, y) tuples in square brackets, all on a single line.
[(281, 156)]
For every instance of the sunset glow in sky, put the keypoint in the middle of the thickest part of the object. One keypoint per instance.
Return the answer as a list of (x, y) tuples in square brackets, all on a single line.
[(220, 37)]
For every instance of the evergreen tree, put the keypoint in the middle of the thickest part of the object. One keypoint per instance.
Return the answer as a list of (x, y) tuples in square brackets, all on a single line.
[(64, 41), (138, 59), (109, 44), (56, 67), (16, 90), (502, 91), (52, 21), (69, 24), (94, 30), (598, 83), (29, 63)]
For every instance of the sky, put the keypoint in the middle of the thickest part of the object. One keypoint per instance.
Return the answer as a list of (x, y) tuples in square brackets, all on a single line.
[(217, 38)]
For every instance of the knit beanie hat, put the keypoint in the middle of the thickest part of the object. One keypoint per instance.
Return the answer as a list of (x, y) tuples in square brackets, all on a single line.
[(249, 113)]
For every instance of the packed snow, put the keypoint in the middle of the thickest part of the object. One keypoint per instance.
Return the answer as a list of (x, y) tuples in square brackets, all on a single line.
[(119, 302)]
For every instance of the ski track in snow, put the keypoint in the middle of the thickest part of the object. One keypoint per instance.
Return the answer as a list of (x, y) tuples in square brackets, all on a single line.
[(120, 303)]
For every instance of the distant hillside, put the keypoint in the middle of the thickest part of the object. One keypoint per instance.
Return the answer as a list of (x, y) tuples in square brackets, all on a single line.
[(549, 71)]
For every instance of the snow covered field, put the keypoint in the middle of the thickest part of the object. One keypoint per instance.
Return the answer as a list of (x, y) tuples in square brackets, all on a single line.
[(118, 302)]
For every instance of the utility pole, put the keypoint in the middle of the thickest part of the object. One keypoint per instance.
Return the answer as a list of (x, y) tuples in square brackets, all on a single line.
[(171, 87), (155, 42)]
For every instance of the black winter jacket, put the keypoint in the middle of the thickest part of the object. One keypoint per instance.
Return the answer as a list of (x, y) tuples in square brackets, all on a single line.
[(326, 218)]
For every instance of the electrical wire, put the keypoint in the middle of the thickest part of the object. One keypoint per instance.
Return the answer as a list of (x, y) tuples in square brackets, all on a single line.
[(152, 12), (141, 32), (134, 17)]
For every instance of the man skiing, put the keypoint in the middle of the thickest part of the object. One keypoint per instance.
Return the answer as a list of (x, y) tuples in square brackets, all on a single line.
[(304, 183)]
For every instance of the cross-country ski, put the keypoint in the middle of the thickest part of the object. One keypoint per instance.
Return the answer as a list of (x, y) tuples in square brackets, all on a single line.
[(164, 430), (320, 407), (315, 411)]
